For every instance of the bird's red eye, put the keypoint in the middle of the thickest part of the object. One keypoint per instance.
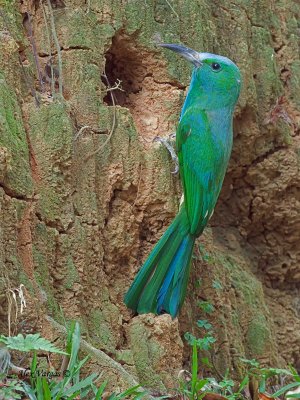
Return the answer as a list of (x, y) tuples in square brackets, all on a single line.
[(216, 66)]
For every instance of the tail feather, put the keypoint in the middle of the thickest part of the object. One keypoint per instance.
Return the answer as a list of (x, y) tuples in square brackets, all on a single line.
[(175, 295), (161, 283)]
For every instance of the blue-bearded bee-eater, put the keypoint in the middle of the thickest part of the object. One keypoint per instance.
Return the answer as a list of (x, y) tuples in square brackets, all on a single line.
[(203, 143)]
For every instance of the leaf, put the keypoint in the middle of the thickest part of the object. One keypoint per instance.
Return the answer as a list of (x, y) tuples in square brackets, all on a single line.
[(200, 384), (99, 391), (29, 342), (46, 389), (143, 394), (243, 384), (69, 337), (74, 347), (252, 363), (189, 338), (80, 385), (75, 395), (39, 388), (205, 342), (226, 383), (217, 285), (29, 391), (206, 361), (131, 391), (262, 386), (294, 373), (285, 389), (194, 368), (206, 306), (279, 371), (203, 323), (293, 393), (198, 283)]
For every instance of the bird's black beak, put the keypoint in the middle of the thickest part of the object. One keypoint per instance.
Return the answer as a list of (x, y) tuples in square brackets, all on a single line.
[(191, 55)]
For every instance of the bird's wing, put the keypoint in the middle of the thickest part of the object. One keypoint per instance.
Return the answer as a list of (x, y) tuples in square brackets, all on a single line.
[(200, 163)]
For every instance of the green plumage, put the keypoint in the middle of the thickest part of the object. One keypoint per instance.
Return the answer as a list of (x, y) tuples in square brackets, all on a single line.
[(203, 141)]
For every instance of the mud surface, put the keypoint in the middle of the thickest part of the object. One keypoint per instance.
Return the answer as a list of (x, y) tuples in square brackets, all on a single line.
[(85, 192)]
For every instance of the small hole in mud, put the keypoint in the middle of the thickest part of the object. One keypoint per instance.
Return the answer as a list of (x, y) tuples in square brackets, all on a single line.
[(123, 64), (145, 89)]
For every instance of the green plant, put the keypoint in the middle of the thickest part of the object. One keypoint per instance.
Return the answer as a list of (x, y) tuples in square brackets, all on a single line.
[(290, 386), (67, 383), (193, 389), (71, 385), (203, 343), (217, 285), (206, 306), (10, 389), (206, 256), (30, 342), (203, 323), (227, 388), (133, 391), (264, 374)]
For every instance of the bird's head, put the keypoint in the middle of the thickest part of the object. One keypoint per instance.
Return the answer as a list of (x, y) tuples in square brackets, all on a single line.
[(216, 80)]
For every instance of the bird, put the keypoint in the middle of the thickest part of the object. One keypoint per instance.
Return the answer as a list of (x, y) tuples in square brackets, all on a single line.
[(203, 143)]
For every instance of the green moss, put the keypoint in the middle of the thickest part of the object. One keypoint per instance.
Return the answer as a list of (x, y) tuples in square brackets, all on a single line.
[(84, 31), (284, 130), (23, 278), (13, 137), (51, 134), (295, 82), (11, 19), (49, 202), (10, 267), (258, 335), (41, 273), (100, 331), (125, 356), (72, 274), (249, 290), (145, 352), (244, 282), (41, 252), (268, 84)]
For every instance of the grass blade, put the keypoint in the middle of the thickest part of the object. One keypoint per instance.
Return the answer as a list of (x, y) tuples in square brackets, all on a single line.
[(285, 389), (194, 369)]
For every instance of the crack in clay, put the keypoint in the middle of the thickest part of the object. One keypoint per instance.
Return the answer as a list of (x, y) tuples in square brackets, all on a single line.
[(55, 225), (10, 193), (66, 49), (269, 153)]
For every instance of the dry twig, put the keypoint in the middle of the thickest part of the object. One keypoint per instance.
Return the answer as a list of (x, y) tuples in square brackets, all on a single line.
[(117, 86), (80, 132), (55, 38), (29, 29), (113, 122), (172, 8), (11, 295), (49, 45)]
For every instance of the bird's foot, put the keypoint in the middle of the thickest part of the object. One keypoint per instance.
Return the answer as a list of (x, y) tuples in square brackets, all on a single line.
[(169, 146)]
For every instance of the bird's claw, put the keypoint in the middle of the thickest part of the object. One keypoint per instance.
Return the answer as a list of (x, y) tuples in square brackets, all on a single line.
[(171, 150), (176, 170)]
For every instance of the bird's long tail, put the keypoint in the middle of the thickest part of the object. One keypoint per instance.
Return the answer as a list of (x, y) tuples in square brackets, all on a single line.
[(161, 283)]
